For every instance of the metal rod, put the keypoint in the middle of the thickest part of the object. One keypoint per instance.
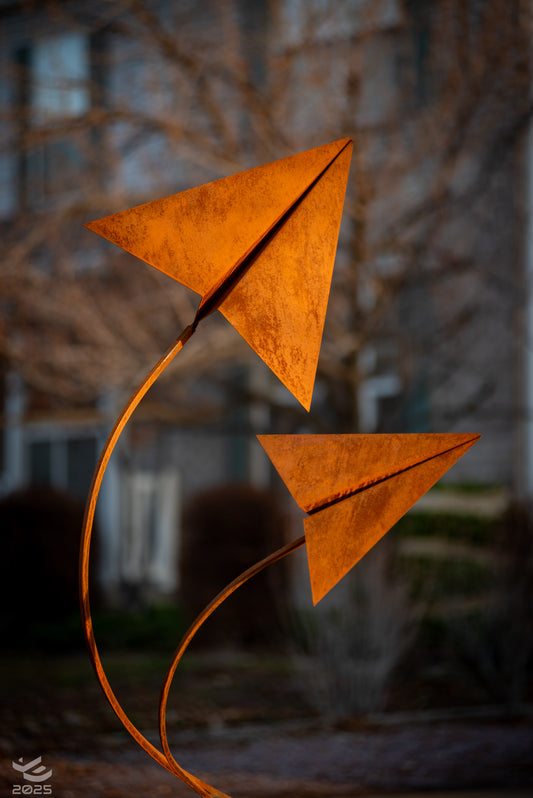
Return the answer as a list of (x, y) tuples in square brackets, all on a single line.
[(165, 758), (125, 415), (204, 615)]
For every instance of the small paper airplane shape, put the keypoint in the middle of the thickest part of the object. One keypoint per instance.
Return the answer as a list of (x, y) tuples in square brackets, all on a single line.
[(356, 487), (283, 220)]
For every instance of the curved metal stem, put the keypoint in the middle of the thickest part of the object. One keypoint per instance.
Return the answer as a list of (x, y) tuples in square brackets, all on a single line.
[(165, 758), (204, 615), (85, 546)]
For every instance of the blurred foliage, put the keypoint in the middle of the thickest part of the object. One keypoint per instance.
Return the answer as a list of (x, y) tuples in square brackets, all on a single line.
[(154, 628), (436, 578), (472, 529)]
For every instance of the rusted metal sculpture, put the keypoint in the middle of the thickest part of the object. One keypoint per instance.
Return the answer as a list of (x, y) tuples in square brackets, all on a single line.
[(260, 246), (354, 488)]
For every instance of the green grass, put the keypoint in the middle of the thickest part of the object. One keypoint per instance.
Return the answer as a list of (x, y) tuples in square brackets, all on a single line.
[(433, 578), (155, 628), (469, 488), (458, 528)]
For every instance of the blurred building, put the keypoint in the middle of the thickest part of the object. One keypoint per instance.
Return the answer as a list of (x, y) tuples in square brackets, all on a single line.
[(106, 106)]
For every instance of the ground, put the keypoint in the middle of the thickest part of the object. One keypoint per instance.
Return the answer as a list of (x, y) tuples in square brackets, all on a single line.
[(241, 723)]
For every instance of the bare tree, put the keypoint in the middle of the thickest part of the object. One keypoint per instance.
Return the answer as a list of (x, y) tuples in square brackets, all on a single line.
[(434, 95), (117, 102)]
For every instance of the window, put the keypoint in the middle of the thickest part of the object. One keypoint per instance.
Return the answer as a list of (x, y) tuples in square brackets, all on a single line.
[(59, 75), (65, 463), (8, 134), (380, 385), (322, 20), (3, 414), (149, 540), (375, 397), (58, 96)]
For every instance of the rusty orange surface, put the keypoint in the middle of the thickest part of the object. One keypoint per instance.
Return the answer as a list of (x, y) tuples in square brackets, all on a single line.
[(356, 487), (259, 245)]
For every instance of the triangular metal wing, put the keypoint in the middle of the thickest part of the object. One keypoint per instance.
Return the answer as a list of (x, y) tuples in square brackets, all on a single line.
[(272, 233), (356, 487)]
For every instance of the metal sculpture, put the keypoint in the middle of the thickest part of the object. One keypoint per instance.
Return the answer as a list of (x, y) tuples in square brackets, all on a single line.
[(260, 247), (354, 488)]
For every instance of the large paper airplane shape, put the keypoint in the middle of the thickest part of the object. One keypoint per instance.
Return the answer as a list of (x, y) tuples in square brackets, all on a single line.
[(283, 220), (355, 488)]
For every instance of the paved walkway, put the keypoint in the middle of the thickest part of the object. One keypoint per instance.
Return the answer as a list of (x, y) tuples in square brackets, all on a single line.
[(75, 778), (484, 794)]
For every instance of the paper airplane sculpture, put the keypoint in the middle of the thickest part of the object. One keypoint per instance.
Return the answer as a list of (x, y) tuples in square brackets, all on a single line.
[(259, 246), (355, 488)]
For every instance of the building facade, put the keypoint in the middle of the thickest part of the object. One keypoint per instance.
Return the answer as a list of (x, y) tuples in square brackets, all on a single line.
[(107, 107)]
